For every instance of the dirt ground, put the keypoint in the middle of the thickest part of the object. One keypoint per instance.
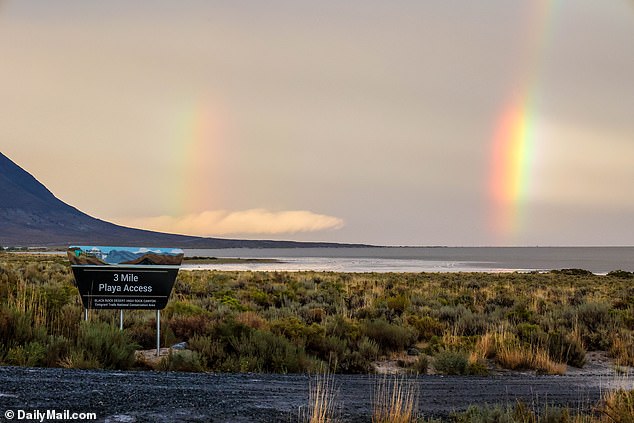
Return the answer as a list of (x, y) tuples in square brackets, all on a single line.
[(148, 396)]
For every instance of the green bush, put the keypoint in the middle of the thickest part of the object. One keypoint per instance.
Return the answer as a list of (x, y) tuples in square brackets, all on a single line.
[(451, 363), (399, 303), (212, 351), (30, 355), (57, 348), (108, 346), (389, 337), (182, 361), (260, 351)]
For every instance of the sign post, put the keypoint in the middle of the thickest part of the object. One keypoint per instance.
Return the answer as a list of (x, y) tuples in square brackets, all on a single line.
[(125, 278)]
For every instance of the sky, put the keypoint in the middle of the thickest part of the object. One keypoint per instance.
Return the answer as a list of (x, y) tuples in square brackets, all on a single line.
[(435, 122)]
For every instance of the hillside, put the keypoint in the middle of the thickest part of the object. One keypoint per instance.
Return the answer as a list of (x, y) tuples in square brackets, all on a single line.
[(31, 215)]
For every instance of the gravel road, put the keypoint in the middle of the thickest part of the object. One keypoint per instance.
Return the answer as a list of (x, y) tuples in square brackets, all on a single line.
[(167, 397)]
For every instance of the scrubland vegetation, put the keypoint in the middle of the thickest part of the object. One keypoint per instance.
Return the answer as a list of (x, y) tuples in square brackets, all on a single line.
[(450, 323)]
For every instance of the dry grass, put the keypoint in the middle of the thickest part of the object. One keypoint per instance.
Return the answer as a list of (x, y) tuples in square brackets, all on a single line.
[(519, 357), (618, 407), (623, 349), (322, 406), (28, 300), (504, 346), (395, 401)]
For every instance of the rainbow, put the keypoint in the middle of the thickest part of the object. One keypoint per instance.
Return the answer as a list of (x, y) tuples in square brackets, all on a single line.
[(197, 140), (515, 139)]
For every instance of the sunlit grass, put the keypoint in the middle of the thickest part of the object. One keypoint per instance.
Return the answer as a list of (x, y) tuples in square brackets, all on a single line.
[(395, 400)]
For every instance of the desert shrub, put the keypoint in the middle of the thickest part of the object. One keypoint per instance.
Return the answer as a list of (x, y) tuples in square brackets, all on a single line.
[(529, 333), (519, 412), (182, 361), (259, 351), (353, 362), (487, 414), (57, 348), (368, 348), (212, 351), (478, 368), (312, 313), (183, 308), (398, 303), (252, 320), (77, 359), (426, 326), (184, 327), (343, 328), (228, 329), (451, 314), (291, 328), (30, 355), (622, 274), (17, 328), (167, 335), (520, 313), (328, 348), (451, 362), (388, 336), (260, 298), (596, 325), (56, 296), (573, 272), (594, 315), (107, 345), (421, 365), (65, 320), (627, 317), (143, 333), (470, 324), (565, 348), (622, 348)]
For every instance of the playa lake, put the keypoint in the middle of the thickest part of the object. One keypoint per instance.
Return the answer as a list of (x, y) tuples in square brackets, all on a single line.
[(599, 260)]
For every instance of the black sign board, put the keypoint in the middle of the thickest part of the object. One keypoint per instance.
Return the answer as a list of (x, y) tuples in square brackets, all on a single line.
[(123, 277)]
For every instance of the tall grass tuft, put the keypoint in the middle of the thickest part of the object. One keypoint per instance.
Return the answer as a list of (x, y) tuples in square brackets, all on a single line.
[(322, 406), (395, 400)]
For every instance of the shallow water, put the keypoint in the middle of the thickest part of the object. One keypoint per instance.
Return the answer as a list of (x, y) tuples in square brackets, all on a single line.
[(598, 260)]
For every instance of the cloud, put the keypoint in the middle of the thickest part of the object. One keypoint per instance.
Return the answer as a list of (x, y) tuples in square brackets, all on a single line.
[(244, 222)]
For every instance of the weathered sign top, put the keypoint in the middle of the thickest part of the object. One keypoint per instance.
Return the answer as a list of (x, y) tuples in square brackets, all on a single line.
[(124, 256)]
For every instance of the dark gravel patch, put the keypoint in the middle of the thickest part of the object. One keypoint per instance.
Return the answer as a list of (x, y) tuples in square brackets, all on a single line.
[(143, 396)]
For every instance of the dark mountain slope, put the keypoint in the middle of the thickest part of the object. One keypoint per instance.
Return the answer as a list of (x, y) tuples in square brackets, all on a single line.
[(31, 215)]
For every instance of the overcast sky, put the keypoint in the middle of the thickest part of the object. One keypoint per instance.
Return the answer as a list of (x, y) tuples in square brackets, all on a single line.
[(349, 121)]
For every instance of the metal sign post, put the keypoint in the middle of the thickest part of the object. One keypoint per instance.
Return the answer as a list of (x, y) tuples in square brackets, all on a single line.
[(125, 278), (158, 333)]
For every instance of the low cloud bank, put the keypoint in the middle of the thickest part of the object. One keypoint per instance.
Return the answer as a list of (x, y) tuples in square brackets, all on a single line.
[(254, 221)]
